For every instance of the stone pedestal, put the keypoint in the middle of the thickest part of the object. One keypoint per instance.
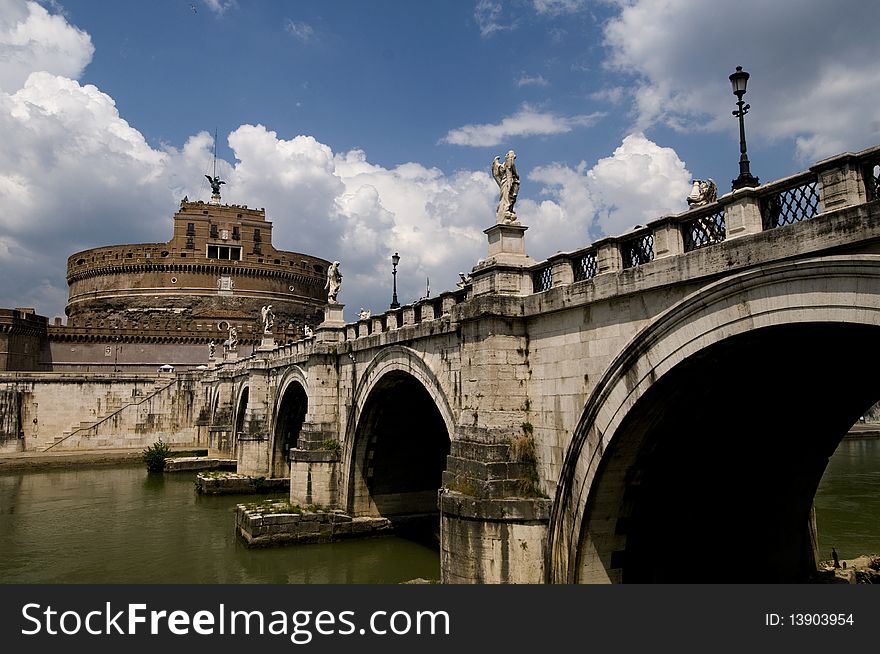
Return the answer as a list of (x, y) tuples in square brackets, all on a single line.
[(268, 343), (332, 330), (506, 239), (506, 269), (230, 355), (333, 316)]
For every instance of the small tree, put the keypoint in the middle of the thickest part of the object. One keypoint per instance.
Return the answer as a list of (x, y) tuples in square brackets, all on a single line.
[(155, 455)]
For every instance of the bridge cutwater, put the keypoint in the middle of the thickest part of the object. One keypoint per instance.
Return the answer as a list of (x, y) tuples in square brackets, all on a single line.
[(657, 406)]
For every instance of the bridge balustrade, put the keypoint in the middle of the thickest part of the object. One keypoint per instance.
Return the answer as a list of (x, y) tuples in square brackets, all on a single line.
[(706, 227), (790, 200), (584, 265), (542, 279), (638, 249)]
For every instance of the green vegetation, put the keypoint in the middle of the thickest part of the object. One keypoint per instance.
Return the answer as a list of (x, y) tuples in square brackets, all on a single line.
[(522, 450), (155, 455), (331, 445), (270, 505)]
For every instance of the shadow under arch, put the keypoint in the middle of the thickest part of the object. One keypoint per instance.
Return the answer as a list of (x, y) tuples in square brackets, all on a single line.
[(238, 418), (289, 413), (712, 428), (398, 437)]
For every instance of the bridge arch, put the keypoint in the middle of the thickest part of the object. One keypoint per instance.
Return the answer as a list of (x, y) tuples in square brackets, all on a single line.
[(713, 426), (398, 436), (288, 415)]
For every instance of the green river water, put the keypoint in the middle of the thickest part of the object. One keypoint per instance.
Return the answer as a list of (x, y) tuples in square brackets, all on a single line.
[(123, 525)]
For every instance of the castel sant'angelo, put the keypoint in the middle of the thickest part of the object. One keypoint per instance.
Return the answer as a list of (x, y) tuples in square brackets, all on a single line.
[(133, 307)]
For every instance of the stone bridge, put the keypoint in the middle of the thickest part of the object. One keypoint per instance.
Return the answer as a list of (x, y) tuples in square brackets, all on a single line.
[(658, 406)]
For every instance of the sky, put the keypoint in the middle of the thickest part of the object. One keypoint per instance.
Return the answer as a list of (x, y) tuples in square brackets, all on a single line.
[(368, 128)]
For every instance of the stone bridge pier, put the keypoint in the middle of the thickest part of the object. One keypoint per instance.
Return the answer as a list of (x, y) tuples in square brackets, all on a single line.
[(665, 396)]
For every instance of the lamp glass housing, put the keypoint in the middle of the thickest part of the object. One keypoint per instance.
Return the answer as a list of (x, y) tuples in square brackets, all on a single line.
[(738, 81)]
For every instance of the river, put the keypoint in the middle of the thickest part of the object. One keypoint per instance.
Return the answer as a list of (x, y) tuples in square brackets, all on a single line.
[(848, 500), (123, 525)]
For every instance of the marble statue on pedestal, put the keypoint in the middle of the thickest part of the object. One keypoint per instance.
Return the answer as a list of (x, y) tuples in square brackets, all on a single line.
[(268, 318), (334, 282), (508, 181)]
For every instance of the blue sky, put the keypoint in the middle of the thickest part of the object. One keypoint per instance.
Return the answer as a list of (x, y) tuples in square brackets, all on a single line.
[(366, 128)]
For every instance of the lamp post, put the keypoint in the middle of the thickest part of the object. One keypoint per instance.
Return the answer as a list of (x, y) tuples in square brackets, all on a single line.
[(395, 259), (739, 80)]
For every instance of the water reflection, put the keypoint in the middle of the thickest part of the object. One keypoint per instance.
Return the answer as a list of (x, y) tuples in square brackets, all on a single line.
[(848, 500), (123, 525)]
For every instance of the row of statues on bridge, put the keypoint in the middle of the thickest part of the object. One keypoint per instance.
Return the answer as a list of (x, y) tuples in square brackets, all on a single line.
[(506, 176)]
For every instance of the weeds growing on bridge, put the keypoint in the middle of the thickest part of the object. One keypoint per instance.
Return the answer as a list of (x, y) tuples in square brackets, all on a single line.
[(523, 451), (331, 445)]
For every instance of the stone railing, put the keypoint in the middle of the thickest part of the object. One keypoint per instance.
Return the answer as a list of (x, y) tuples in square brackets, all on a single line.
[(841, 181), (835, 183), (422, 311)]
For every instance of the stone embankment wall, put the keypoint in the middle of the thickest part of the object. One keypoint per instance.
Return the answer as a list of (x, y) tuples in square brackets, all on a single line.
[(62, 412)]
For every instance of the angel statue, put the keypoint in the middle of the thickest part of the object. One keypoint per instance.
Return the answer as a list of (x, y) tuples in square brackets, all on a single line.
[(233, 338), (215, 183), (334, 282), (268, 318), (508, 181)]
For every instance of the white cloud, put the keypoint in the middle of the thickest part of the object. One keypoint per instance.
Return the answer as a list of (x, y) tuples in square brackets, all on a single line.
[(491, 18), (75, 175), (302, 32), (531, 80), (220, 6), (639, 182), (526, 122), (72, 167), (31, 40), (69, 168), (814, 77), (555, 7)]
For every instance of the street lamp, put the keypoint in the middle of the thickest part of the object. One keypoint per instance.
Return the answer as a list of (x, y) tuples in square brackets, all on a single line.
[(739, 80), (395, 259)]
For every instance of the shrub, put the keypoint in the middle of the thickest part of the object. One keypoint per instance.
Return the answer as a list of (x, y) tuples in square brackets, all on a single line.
[(155, 455), (331, 445)]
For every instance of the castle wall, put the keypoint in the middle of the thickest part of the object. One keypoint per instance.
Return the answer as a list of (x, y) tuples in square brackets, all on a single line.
[(77, 412), (22, 334)]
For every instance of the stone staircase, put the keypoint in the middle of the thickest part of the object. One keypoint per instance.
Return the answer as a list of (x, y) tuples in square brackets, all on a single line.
[(112, 409)]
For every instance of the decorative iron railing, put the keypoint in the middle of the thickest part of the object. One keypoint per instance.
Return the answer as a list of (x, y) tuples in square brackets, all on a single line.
[(542, 279), (791, 204), (585, 266), (704, 230), (638, 250)]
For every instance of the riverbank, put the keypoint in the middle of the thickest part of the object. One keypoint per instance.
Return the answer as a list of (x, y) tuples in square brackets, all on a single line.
[(864, 430), (16, 461), (860, 570)]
